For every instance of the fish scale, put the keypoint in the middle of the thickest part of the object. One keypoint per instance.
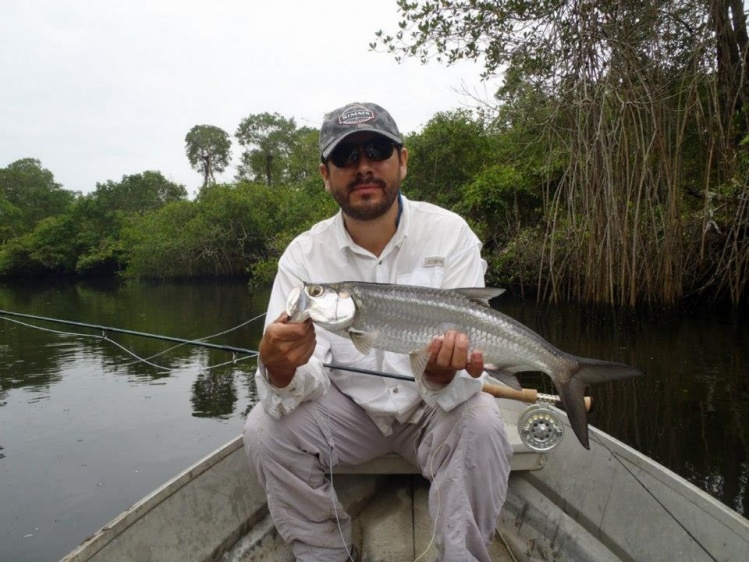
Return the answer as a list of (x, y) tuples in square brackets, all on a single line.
[(406, 318)]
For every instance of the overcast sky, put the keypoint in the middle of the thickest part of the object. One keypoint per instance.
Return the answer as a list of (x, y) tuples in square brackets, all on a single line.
[(98, 89)]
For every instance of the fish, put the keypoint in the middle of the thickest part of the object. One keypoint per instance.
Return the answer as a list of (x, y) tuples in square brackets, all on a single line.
[(406, 318)]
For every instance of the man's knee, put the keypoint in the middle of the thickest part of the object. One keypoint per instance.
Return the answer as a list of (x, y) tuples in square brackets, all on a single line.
[(269, 441), (484, 424), (481, 414), (254, 436)]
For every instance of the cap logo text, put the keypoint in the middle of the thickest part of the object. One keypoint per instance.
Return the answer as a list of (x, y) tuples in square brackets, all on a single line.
[(356, 114)]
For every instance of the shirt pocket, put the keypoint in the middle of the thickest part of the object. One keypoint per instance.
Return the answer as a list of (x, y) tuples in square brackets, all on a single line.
[(431, 276)]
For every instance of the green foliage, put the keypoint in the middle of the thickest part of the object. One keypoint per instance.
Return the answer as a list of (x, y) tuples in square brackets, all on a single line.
[(84, 238), (113, 207), (303, 163), (451, 149), (137, 193), (144, 227), (159, 243), (518, 263), (208, 149), (48, 249), (28, 194), (488, 173), (230, 230), (500, 199), (10, 219), (275, 149)]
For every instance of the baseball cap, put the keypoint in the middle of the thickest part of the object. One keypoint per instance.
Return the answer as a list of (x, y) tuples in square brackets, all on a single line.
[(355, 118)]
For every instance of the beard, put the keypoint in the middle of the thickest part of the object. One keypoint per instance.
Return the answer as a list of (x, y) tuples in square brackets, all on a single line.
[(367, 208)]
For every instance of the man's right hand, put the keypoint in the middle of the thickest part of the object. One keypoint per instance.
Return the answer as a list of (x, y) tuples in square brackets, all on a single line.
[(284, 347)]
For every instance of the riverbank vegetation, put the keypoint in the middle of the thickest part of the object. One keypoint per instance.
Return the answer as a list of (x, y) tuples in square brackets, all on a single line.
[(611, 167)]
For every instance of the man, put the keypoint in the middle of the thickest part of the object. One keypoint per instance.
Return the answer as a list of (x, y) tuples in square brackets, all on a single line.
[(311, 418)]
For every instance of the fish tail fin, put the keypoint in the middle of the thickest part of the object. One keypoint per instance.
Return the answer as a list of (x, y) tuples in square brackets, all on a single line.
[(572, 392)]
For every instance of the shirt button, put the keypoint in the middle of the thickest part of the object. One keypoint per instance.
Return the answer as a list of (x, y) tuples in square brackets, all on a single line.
[(395, 390)]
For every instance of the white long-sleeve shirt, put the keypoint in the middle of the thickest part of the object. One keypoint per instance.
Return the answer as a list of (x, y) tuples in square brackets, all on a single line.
[(432, 247)]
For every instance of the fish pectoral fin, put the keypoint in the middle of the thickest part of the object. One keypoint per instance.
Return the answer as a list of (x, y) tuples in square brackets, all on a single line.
[(363, 341), (503, 376), (419, 360), (480, 295)]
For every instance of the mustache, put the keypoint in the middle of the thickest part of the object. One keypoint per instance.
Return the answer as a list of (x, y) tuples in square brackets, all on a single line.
[(369, 180)]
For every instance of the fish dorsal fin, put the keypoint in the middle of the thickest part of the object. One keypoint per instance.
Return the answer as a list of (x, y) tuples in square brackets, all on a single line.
[(419, 360), (480, 295), (363, 341)]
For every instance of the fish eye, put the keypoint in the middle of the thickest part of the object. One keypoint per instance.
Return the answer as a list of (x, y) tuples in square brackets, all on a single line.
[(315, 290)]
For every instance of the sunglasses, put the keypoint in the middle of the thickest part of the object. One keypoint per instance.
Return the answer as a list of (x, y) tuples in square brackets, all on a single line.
[(377, 149)]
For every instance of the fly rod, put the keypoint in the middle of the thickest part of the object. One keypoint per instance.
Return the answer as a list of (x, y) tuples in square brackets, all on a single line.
[(530, 395), (106, 329), (498, 391)]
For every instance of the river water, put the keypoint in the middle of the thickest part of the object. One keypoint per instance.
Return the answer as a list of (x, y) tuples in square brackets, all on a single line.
[(86, 429)]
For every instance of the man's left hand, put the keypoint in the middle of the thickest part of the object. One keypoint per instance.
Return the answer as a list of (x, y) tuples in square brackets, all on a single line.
[(450, 354)]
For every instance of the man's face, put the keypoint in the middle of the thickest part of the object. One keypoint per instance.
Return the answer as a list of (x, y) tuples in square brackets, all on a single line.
[(365, 187)]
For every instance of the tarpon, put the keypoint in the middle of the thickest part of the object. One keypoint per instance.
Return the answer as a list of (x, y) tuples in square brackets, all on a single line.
[(405, 319)]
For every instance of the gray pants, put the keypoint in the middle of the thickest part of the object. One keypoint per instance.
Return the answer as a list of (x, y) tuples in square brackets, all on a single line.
[(465, 454)]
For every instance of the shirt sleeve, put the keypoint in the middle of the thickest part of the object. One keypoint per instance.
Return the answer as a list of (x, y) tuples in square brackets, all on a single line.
[(310, 381), (448, 396)]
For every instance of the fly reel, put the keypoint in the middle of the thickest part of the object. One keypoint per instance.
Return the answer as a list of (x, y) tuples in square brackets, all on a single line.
[(540, 428)]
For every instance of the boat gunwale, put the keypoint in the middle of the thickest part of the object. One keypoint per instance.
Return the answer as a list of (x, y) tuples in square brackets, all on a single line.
[(667, 489), (677, 484), (90, 546)]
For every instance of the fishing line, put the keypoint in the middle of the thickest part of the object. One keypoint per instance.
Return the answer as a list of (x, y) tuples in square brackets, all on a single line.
[(71, 334), (439, 504), (138, 358), (334, 496), (250, 353), (506, 545), (40, 328), (433, 474), (131, 332), (652, 495), (237, 327), (349, 552), (79, 335), (6, 315)]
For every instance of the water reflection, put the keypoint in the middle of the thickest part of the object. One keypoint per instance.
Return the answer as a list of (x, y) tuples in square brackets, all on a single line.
[(213, 395)]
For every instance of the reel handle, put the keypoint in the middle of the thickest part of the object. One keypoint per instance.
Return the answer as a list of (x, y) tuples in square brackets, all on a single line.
[(530, 395)]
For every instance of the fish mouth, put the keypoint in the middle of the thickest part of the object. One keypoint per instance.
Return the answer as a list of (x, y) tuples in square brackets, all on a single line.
[(325, 305), (296, 305)]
